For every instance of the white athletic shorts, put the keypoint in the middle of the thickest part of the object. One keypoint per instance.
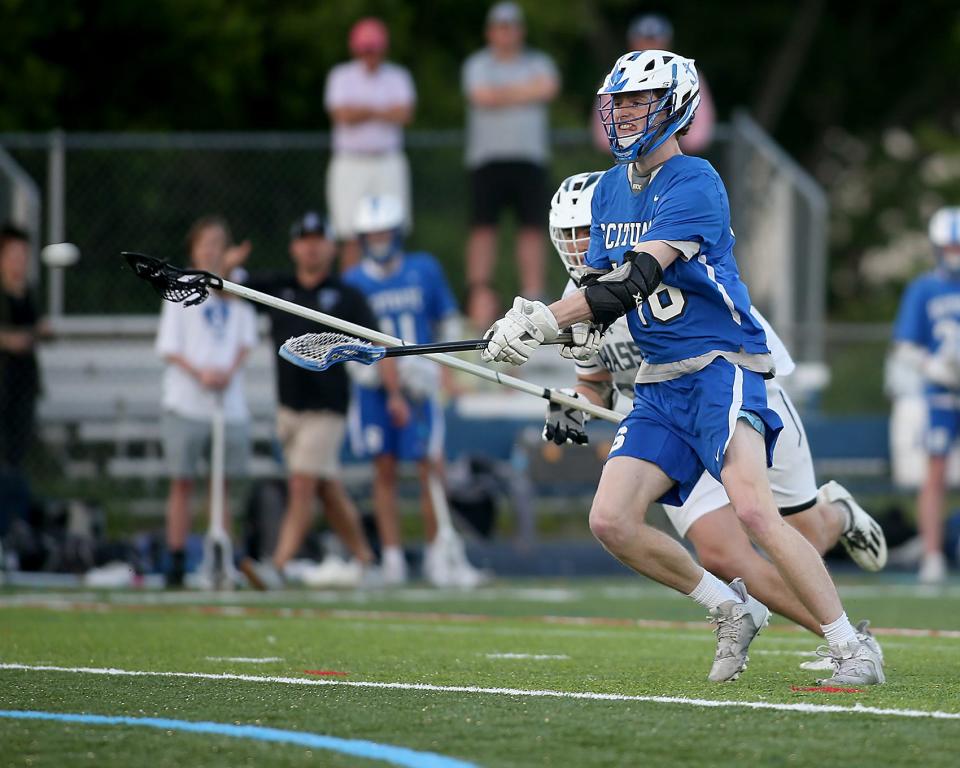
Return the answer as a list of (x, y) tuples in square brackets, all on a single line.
[(352, 177), (792, 479)]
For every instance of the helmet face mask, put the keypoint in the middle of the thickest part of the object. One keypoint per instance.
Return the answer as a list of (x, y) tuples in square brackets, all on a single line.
[(647, 97), (379, 227), (944, 234), (570, 219)]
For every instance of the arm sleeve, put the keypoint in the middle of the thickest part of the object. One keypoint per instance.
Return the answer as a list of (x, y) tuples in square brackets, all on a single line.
[(442, 302), (472, 74), (911, 324), (333, 92), (406, 93), (248, 331), (170, 330), (691, 209)]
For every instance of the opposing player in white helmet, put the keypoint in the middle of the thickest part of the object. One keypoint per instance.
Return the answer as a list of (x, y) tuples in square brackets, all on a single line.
[(824, 516), (396, 417), (927, 337), (661, 254)]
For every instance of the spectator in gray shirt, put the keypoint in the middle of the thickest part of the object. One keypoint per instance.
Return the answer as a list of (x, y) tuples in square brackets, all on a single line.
[(508, 88)]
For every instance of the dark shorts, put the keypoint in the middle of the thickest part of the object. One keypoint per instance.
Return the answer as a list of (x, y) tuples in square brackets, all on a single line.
[(519, 186)]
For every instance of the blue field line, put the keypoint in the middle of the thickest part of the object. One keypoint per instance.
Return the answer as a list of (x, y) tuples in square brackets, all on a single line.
[(370, 750)]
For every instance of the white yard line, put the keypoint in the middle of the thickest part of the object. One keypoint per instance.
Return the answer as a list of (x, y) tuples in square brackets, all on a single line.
[(804, 708), (246, 659), (534, 656)]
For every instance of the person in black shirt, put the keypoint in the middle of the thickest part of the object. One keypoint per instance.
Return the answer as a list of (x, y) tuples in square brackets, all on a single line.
[(311, 417), (20, 326)]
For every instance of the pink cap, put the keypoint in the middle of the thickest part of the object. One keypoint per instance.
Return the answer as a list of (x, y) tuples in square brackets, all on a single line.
[(369, 35)]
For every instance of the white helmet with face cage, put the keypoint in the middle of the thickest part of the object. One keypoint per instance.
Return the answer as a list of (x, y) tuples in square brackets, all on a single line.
[(569, 211)]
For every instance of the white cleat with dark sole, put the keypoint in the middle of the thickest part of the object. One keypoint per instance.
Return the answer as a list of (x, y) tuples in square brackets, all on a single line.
[(863, 539), (737, 625), (854, 663)]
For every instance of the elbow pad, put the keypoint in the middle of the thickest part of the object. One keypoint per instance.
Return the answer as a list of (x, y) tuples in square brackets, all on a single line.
[(615, 293)]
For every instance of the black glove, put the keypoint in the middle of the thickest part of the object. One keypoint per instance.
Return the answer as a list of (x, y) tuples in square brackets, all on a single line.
[(566, 425)]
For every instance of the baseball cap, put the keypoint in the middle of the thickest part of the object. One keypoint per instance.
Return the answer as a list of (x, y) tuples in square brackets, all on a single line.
[(505, 13), (311, 223), (369, 35), (651, 25)]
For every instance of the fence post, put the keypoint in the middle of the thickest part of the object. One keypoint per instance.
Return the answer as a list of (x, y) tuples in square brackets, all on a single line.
[(56, 205)]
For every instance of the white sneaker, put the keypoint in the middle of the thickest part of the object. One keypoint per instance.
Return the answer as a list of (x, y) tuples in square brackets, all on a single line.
[(863, 539), (933, 568), (393, 568), (445, 564), (262, 576), (854, 663), (737, 625), (864, 635), (334, 571)]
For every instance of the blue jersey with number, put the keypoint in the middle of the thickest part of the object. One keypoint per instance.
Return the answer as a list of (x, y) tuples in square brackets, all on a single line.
[(408, 301), (929, 313), (702, 306)]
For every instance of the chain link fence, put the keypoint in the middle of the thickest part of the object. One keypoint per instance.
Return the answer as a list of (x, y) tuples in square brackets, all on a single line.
[(114, 192)]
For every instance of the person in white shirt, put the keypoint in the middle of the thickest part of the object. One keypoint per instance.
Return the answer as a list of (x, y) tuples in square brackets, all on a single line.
[(369, 100), (204, 347)]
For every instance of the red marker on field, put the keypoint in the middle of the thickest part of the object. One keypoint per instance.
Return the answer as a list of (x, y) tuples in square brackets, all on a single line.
[(324, 672)]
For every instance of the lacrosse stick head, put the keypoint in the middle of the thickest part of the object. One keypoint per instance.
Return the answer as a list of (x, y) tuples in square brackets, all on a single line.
[(182, 286), (319, 351)]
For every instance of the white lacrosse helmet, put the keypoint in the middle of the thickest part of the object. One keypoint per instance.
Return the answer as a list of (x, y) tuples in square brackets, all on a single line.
[(675, 76), (378, 213), (570, 210), (945, 228)]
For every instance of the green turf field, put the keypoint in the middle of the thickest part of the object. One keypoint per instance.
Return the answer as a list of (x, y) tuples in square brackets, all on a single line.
[(498, 671)]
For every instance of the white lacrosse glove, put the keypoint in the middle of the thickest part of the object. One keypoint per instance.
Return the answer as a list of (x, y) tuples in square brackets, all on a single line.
[(585, 343), (525, 327), (566, 425)]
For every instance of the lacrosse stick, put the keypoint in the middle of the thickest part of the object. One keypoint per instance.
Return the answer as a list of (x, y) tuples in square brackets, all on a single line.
[(217, 564), (192, 286), (319, 351), (448, 565)]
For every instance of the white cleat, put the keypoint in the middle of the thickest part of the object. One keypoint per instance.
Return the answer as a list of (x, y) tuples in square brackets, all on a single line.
[(863, 539), (854, 663), (393, 569), (864, 635), (737, 625), (933, 569)]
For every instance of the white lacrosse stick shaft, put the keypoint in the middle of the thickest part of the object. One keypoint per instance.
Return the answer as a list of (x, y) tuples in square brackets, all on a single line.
[(450, 361), (218, 548)]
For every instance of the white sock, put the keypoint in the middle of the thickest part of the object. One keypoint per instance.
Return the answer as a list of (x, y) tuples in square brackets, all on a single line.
[(839, 632), (393, 556), (711, 592)]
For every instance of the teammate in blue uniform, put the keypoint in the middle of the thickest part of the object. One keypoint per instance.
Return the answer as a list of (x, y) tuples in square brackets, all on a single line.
[(661, 252), (927, 333), (396, 416)]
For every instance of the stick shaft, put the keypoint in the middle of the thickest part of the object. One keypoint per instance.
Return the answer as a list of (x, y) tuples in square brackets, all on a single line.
[(467, 345), (345, 326)]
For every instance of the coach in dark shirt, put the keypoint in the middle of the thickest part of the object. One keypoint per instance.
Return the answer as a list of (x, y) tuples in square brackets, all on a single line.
[(311, 418)]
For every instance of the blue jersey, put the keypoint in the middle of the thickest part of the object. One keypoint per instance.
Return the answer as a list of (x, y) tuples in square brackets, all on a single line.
[(409, 301), (702, 306), (929, 313)]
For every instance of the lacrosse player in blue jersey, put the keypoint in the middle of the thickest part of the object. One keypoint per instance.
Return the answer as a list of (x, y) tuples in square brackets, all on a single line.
[(825, 516), (396, 416), (927, 336), (661, 253)]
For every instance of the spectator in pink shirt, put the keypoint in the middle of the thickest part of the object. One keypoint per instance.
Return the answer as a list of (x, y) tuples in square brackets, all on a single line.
[(370, 100), (652, 31)]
